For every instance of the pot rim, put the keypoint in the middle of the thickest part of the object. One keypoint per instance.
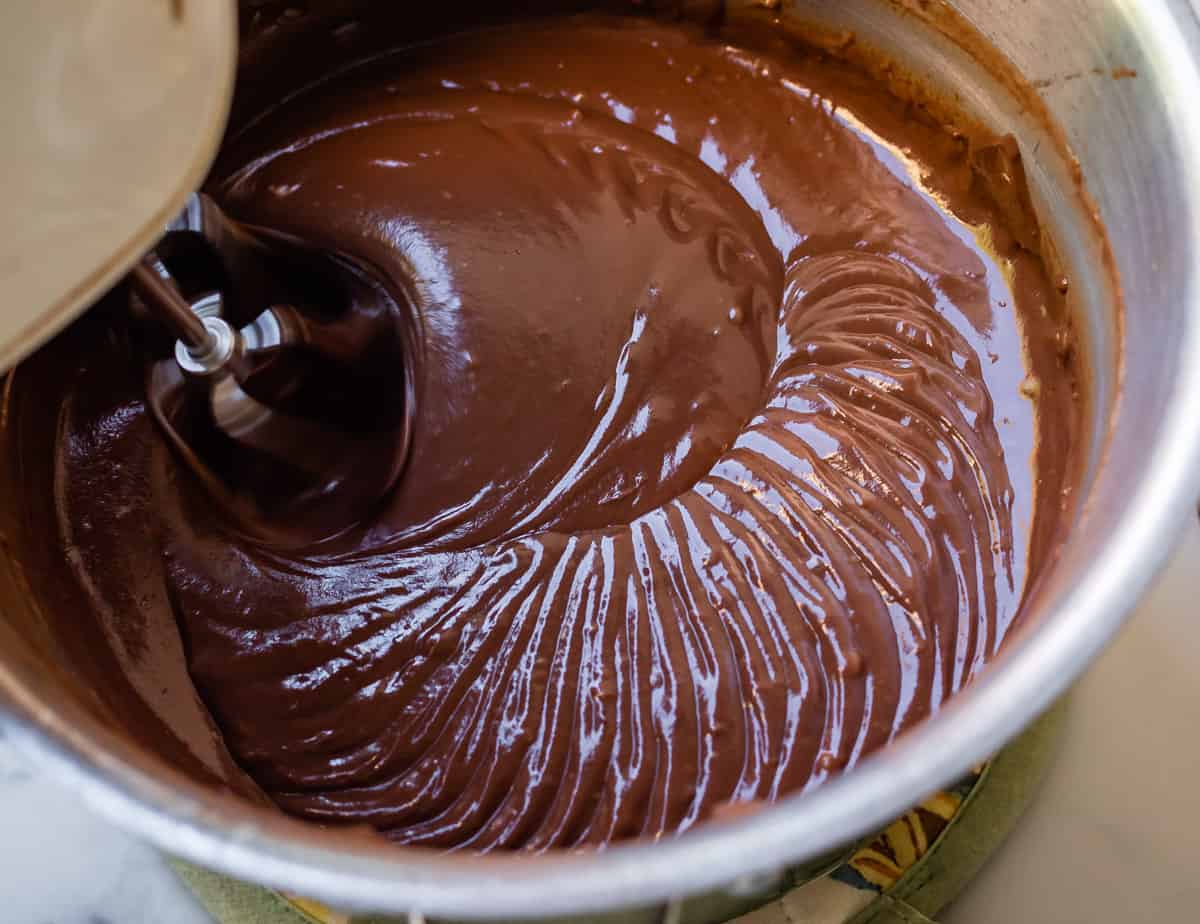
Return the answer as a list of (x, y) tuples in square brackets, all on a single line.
[(191, 823)]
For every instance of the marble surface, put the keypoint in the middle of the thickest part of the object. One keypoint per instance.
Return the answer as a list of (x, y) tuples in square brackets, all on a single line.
[(1113, 837), (59, 864)]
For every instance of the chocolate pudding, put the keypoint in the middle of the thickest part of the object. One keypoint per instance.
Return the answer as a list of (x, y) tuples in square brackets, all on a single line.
[(744, 406)]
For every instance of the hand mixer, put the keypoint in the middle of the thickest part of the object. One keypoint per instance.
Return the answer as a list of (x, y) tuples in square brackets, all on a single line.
[(288, 392)]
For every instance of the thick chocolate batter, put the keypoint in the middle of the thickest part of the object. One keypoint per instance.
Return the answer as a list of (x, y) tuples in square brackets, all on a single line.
[(738, 406)]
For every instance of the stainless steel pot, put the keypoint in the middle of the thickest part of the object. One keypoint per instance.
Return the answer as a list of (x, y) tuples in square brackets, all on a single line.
[(1137, 140)]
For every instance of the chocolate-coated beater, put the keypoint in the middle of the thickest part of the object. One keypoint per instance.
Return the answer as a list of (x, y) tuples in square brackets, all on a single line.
[(289, 391)]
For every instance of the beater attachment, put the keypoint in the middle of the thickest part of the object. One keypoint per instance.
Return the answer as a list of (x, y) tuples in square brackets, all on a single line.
[(298, 421)]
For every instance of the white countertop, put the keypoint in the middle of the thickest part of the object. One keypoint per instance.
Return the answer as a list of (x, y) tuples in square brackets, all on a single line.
[(59, 864), (1114, 837)]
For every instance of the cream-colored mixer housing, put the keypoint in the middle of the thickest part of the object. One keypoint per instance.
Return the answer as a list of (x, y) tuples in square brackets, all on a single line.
[(113, 112)]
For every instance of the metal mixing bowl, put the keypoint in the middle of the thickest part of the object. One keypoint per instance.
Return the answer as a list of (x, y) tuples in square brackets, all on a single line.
[(1137, 139)]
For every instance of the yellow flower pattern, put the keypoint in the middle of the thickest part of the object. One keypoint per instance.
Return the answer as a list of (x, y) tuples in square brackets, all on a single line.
[(885, 860), (315, 911)]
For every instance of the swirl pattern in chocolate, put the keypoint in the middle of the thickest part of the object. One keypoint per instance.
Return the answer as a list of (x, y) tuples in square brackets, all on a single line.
[(721, 473)]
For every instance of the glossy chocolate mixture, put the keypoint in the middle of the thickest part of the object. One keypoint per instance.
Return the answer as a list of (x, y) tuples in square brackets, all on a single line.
[(742, 420)]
